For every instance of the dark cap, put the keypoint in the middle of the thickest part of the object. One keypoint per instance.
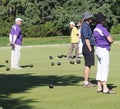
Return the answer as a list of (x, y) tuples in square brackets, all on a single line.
[(100, 17)]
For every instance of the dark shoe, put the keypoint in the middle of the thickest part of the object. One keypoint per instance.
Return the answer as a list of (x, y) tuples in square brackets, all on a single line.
[(109, 92), (89, 85)]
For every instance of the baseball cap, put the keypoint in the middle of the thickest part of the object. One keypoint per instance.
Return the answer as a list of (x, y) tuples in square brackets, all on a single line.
[(72, 23), (18, 19)]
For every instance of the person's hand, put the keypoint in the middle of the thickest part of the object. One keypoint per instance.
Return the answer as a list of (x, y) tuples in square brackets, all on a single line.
[(12, 46), (90, 49)]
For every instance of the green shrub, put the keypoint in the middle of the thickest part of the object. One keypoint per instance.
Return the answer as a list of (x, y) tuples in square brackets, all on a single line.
[(4, 29), (31, 31), (48, 29), (115, 29)]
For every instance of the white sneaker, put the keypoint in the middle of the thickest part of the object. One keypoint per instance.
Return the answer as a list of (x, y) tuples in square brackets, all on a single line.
[(16, 67)]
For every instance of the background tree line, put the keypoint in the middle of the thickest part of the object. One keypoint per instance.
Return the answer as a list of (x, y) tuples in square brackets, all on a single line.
[(51, 17)]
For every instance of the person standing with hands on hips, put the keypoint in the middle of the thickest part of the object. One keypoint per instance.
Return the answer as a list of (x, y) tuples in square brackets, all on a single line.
[(103, 41), (88, 47), (15, 38)]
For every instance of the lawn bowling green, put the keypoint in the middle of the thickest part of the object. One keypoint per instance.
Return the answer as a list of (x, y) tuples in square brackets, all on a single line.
[(28, 88)]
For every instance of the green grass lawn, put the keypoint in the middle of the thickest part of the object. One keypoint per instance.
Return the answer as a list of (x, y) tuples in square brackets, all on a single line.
[(45, 40), (4, 41), (28, 88)]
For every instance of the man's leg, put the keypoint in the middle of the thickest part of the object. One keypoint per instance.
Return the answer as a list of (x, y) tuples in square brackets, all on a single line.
[(89, 61), (86, 74), (70, 51), (12, 58), (87, 68), (18, 52), (86, 82), (76, 50)]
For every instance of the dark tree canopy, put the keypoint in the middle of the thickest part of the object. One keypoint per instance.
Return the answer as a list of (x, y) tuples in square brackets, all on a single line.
[(52, 17)]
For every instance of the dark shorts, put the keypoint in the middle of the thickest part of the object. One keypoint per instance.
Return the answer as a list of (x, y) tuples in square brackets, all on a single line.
[(88, 56)]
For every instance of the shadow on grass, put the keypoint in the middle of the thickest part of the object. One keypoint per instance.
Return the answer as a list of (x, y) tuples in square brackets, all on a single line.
[(25, 66), (93, 81), (111, 86), (20, 83), (10, 84), (2, 66), (18, 103)]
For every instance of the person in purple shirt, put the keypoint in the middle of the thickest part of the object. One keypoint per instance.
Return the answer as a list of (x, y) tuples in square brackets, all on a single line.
[(15, 38), (103, 41)]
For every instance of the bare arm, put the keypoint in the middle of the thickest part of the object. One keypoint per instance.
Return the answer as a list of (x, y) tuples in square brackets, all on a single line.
[(109, 38), (88, 44)]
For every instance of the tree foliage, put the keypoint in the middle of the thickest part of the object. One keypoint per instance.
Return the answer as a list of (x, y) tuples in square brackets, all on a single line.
[(52, 17)]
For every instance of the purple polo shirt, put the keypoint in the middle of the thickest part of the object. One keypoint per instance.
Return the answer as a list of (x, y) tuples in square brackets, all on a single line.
[(101, 33), (16, 30)]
